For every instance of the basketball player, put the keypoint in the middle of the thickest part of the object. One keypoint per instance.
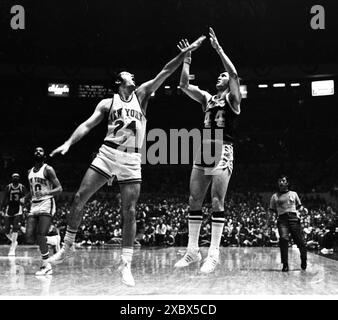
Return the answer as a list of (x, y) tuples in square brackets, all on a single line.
[(287, 205), (118, 156), (221, 112), (12, 206), (44, 185)]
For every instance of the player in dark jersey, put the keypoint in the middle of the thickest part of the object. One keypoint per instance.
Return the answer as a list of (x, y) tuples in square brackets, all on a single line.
[(12, 206), (287, 205), (221, 113)]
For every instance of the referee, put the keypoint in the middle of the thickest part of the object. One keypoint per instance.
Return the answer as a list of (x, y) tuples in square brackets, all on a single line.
[(287, 205)]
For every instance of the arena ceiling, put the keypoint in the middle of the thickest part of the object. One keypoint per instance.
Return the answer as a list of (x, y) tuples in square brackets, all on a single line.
[(255, 33)]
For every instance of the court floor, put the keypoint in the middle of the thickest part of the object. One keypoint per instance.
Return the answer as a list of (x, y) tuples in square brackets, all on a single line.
[(93, 272)]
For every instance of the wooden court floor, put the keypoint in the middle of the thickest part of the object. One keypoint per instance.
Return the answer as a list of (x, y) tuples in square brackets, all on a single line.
[(92, 272)]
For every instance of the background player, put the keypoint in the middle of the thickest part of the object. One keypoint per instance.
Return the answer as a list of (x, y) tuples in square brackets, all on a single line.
[(119, 155), (44, 185), (12, 206), (287, 205), (221, 112)]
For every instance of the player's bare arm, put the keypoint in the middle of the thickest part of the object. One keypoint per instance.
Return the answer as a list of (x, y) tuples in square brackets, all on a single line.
[(230, 68), (192, 91), (51, 176), (147, 88), (98, 115)]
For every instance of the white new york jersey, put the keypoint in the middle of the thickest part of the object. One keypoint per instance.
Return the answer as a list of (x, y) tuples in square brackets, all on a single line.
[(126, 123), (38, 182)]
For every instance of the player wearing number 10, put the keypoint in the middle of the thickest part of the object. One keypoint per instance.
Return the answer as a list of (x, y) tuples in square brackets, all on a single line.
[(44, 185), (118, 156)]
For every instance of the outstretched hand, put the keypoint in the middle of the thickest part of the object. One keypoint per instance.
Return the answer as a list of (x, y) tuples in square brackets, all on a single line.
[(63, 149), (213, 39), (185, 47)]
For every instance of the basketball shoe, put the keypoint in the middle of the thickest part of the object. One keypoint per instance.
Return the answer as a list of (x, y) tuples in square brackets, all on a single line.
[(125, 271), (63, 254), (45, 269), (210, 262), (191, 256)]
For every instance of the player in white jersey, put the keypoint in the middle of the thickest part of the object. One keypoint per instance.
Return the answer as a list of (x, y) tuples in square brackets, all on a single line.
[(118, 156), (44, 185), (12, 206), (221, 113)]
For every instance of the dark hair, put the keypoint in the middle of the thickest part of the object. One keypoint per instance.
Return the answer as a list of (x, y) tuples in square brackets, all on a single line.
[(117, 79), (286, 177)]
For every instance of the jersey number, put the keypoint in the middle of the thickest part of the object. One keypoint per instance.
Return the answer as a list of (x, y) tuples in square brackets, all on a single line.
[(14, 197), (131, 126), (37, 187), (219, 119)]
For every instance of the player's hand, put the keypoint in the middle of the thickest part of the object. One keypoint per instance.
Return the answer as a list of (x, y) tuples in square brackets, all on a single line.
[(183, 44), (185, 47), (213, 40), (63, 149)]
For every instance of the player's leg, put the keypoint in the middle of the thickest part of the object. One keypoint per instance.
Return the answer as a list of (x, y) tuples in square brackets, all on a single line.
[(129, 195), (91, 182), (16, 226), (8, 227), (219, 187), (31, 226), (44, 222), (296, 233), (199, 183), (283, 230)]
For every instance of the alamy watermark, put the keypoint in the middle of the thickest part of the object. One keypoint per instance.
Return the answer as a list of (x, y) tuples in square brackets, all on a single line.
[(18, 19)]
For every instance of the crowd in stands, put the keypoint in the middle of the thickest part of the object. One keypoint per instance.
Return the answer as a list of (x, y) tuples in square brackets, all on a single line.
[(162, 221)]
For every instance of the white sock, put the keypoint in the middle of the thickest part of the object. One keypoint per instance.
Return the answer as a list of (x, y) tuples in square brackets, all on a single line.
[(70, 236), (194, 224), (217, 226), (127, 254)]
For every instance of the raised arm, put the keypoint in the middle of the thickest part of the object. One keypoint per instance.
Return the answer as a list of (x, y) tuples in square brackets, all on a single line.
[(97, 116), (192, 91), (235, 94), (147, 88)]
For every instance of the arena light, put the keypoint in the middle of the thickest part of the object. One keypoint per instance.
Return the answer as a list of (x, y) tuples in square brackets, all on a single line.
[(262, 86), (279, 85), (167, 90), (244, 90), (58, 90), (153, 94), (322, 88), (295, 84)]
